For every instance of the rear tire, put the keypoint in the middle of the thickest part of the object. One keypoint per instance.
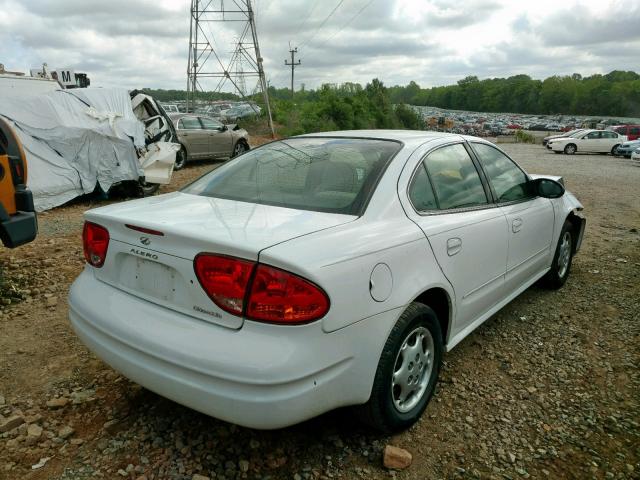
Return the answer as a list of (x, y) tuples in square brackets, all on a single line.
[(562, 259), (570, 149), (181, 159), (407, 372)]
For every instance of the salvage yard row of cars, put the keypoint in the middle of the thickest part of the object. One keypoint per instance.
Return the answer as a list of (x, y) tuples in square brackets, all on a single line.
[(269, 290)]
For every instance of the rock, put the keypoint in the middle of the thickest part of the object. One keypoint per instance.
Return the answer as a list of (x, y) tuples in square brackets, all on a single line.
[(11, 423), (82, 396), (57, 402), (532, 389), (199, 477), (122, 473), (34, 430), (76, 441), (2, 400), (40, 463), (65, 432), (52, 301), (244, 466), (396, 458)]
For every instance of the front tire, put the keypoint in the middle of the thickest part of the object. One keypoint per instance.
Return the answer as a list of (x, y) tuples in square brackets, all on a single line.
[(570, 149), (614, 150), (561, 265), (239, 148), (407, 372)]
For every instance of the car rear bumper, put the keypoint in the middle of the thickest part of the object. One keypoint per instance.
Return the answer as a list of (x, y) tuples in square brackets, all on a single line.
[(261, 376)]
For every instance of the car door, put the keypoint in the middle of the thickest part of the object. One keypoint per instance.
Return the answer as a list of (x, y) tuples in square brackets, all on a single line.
[(193, 137), (589, 142), (466, 232), (610, 140), (220, 141), (530, 218)]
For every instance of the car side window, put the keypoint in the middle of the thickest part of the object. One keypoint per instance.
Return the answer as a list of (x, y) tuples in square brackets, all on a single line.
[(210, 124), (509, 182), (189, 123), (454, 177), (420, 191)]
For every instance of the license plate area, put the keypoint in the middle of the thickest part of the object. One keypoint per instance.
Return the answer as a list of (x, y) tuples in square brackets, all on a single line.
[(150, 278)]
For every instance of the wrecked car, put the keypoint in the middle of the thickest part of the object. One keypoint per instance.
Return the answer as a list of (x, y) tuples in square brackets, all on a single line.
[(78, 140)]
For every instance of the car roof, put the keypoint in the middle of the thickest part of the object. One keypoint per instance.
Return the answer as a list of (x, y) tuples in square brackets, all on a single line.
[(413, 137)]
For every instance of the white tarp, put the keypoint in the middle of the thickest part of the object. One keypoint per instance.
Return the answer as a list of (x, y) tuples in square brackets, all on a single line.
[(75, 139)]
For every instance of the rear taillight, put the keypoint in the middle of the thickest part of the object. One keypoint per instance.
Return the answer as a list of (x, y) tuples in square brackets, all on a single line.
[(225, 280), (274, 295), (95, 240), (281, 297)]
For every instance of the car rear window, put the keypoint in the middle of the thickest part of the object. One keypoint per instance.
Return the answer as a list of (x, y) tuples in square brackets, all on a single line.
[(334, 175)]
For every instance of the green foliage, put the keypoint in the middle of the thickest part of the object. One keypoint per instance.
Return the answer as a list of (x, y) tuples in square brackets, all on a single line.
[(614, 94), (346, 106), (524, 137)]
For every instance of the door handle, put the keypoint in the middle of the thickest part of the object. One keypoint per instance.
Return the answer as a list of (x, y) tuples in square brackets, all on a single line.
[(516, 225), (454, 245)]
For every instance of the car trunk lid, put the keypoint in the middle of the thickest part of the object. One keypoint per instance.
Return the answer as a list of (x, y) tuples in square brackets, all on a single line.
[(153, 243)]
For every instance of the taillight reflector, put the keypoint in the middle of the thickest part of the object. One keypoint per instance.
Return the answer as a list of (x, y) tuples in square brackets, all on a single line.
[(225, 280), (282, 297), (95, 240), (260, 292)]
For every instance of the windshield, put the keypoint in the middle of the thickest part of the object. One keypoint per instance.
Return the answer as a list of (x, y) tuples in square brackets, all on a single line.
[(334, 175), (574, 133)]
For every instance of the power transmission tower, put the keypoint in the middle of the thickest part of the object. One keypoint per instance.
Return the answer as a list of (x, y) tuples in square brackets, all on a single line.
[(206, 66), (293, 64)]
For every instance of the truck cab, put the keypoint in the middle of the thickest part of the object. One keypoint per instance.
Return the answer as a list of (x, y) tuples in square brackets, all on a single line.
[(18, 222)]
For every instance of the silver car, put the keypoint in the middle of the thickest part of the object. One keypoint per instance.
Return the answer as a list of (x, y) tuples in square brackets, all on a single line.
[(207, 138)]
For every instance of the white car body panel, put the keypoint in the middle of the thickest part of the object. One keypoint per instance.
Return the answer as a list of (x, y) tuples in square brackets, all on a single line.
[(371, 267)]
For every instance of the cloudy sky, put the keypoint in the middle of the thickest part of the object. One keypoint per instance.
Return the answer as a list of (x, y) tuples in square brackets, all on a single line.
[(144, 43)]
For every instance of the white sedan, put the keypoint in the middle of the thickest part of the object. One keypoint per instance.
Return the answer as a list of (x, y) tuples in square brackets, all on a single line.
[(588, 141), (318, 272)]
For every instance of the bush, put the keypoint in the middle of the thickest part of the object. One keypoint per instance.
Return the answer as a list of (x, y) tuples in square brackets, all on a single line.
[(524, 137)]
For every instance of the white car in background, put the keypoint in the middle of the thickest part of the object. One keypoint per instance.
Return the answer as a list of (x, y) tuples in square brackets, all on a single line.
[(589, 141), (636, 154), (318, 272)]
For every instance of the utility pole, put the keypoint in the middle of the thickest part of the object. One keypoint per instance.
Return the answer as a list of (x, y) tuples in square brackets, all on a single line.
[(293, 64), (206, 62)]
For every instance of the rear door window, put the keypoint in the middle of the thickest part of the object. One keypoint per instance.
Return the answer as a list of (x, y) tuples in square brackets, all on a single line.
[(189, 123), (420, 191), (454, 177)]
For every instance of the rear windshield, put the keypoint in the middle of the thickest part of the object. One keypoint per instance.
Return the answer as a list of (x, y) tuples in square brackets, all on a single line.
[(334, 175)]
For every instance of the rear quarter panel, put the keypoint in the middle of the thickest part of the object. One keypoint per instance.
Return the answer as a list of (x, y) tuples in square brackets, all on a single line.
[(341, 259)]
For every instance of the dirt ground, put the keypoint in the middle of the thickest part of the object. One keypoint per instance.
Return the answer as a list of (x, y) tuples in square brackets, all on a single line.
[(548, 388)]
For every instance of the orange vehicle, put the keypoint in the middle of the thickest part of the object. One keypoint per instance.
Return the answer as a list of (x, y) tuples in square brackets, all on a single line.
[(18, 223)]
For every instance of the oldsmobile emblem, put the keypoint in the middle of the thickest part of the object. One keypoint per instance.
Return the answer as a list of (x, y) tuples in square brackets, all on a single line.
[(145, 240)]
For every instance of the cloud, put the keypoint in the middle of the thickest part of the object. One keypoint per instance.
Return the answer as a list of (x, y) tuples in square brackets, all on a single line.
[(134, 43)]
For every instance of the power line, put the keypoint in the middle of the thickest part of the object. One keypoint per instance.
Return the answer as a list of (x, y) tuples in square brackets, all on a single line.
[(350, 20), (313, 8), (322, 24)]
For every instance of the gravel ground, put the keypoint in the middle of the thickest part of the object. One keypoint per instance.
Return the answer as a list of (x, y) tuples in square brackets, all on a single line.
[(548, 388)]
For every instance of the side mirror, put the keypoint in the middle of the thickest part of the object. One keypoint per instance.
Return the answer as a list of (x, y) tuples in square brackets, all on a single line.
[(547, 188), (223, 128)]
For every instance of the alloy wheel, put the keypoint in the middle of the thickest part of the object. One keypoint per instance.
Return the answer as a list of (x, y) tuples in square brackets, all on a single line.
[(412, 369), (564, 256)]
